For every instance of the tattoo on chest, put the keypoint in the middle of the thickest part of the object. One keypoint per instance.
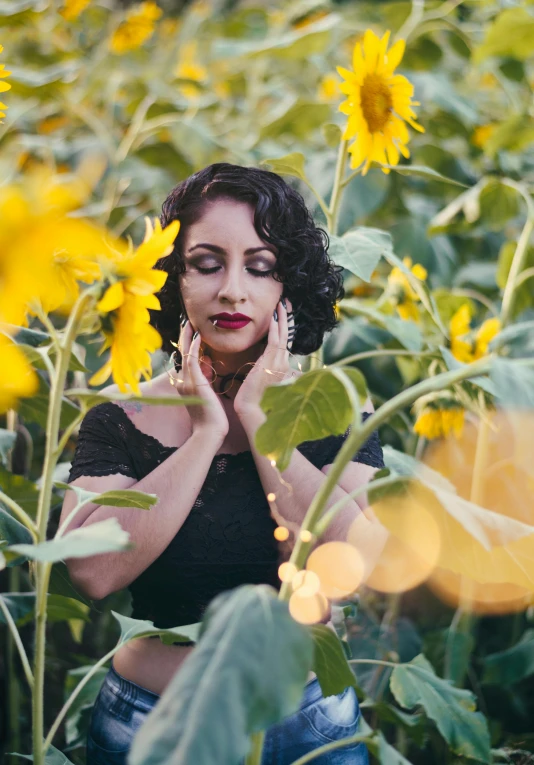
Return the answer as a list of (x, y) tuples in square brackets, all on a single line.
[(130, 407)]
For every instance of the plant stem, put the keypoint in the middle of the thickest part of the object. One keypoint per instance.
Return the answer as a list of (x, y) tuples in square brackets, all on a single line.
[(358, 436), (463, 620), (335, 199), (254, 756), (18, 642), (518, 262), (66, 706), (20, 513), (379, 352), (43, 569)]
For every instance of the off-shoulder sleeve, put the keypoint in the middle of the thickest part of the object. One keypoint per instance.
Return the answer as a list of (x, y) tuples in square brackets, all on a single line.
[(102, 445), (324, 451)]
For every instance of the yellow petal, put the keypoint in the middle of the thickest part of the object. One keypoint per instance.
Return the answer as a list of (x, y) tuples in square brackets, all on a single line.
[(113, 298), (102, 375)]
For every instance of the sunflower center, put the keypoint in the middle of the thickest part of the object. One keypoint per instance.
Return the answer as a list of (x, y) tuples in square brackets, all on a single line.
[(376, 102)]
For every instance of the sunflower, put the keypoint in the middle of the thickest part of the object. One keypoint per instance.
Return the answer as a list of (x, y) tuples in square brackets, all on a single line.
[(136, 29), (188, 68), (438, 419), (377, 103), (403, 294), (39, 243), (72, 9), (3, 87), (17, 378), (467, 345), (131, 284)]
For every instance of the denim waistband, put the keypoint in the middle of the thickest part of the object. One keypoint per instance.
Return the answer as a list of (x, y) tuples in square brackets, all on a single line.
[(143, 699)]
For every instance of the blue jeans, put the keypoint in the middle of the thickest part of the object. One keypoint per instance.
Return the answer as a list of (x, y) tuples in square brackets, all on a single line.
[(122, 706)]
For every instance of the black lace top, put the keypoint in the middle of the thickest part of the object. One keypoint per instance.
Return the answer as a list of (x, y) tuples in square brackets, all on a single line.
[(227, 539)]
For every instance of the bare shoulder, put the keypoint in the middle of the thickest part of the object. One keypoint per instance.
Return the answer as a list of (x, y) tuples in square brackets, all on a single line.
[(166, 423)]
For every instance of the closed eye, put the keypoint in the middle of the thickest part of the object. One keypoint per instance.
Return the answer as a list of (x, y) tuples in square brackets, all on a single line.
[(253, 271)]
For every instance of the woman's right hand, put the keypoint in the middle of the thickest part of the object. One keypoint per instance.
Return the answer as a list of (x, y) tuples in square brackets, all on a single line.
[(196, 374)]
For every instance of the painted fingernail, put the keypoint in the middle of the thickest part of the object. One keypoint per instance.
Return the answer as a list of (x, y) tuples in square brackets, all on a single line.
[(183, 323), (283, 301), (275, 314), (195, 335)]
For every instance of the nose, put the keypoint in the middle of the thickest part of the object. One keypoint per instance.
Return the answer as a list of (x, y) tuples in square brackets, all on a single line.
[(232, 289)]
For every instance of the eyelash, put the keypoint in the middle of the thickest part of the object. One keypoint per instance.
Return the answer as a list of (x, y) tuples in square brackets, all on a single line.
[(253, 271)]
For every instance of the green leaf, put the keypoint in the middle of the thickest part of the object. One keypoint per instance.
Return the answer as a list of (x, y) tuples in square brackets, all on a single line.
[(19, 605), (489, 528), (202, 717), (423, 172), (332, 134), (311, 407), (102, 537), (498, 204), (23, 491), (329, 662), (290, 164), (13, 531), (60, 584), (414, 724), (516, 338), (59, 608), (35, 409), (24, 335), (300, 119), (84, 700), (360, 250), (7, 441), (136, 628), (293, 45), (512, 665), (112, 498), (52, 757), (36, 355), (452, 709), (523, 294), (379, 747), (510, 34), (407, 332), (514, 383)]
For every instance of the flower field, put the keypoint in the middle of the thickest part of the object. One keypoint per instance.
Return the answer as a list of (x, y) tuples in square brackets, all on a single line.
[(408, 129)]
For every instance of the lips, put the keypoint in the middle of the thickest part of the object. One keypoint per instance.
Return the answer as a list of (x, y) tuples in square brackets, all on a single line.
[(230, 321), (231, 317)]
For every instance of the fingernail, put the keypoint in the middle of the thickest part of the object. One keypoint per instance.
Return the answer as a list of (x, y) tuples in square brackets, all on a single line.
[(283, 301), (195, 335), (275, 314)]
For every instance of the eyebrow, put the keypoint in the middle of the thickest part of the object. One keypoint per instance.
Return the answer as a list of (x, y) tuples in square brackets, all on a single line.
[(222, 251)]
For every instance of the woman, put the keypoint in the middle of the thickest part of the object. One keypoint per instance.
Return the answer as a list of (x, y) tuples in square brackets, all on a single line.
[(247, 245)]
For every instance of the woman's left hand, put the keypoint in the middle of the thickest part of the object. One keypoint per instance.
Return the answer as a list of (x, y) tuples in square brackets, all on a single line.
[(271, 367)]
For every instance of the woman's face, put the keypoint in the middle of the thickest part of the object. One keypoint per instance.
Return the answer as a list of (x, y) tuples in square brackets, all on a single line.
[(229, 269)]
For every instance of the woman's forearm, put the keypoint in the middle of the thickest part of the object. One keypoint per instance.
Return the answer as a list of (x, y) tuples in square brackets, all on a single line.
[(295, 488), (177, 481)]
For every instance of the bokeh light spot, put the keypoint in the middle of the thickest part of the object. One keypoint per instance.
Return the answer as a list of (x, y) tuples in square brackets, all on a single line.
[(287, 571), (339, 566), (308, 609), (306, 582)]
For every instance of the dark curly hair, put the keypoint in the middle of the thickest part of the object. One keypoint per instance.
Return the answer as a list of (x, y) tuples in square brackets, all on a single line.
[(312, 281)]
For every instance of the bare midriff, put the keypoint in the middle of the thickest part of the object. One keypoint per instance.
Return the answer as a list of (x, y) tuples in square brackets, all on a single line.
[(151, 664)]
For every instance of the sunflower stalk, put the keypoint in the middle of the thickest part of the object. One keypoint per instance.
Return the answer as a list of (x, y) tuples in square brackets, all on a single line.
[(355, 440), (463, 619), (335, 199), (42, 568), (518, 262)]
